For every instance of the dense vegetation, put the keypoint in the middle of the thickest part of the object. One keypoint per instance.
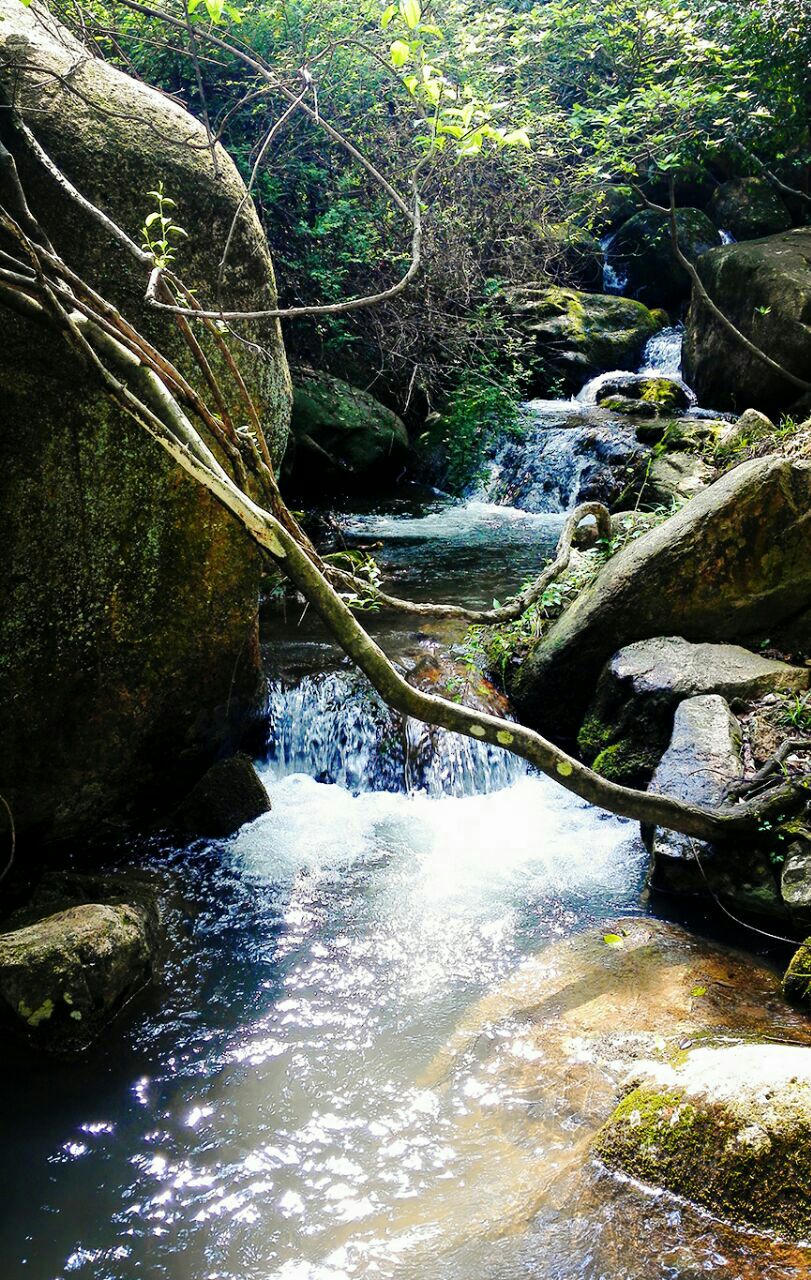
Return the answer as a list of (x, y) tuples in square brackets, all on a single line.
[(601, 102)]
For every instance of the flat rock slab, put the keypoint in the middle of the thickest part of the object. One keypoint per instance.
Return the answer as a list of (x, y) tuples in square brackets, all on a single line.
[(672, 667), (728, 1128)]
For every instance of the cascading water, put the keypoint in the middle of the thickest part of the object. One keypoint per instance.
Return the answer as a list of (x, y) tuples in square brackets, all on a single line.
[(663, 352)]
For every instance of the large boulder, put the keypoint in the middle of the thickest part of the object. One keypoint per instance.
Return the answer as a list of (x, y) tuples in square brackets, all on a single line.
[(128, 597), (64, 976), (728, 1128), (641, 253), (227, 796), (578, 335), (734, 564), (749, 208), (764, 288), (343, 437), (630, 718)]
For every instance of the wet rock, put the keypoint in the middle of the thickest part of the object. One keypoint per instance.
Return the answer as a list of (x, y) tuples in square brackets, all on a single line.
[(797, 978), (561, 1034), (63, 977), (228, 795), (728, 1128), (128, 595), (764, 288), (642, 252), (734, 564), (749, 208), (663, 393), (704, 756), (344, 437), (630, 719), (578, 335)]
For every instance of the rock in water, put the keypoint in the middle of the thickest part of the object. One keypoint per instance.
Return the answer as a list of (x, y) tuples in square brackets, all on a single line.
[(764, 288), (733, 565), (128, 596), (344, 438), (63, 977), (728, 1128), (230, 794), (797, 978)]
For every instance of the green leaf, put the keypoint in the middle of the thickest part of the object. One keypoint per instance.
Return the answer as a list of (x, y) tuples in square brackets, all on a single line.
[(400, 53), (698, 991), (387, 15), (517, 137), (410, 12), (612, 939)]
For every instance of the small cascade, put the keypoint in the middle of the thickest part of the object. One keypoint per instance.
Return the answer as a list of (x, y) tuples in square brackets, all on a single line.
[(663, 352), (333, 727), (614, 280), (726, 237), (567, 454)]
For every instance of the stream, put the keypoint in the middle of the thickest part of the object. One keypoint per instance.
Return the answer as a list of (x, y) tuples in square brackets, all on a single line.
[(270, 1113)]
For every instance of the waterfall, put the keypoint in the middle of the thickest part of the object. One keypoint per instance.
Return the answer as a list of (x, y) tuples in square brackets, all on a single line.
[(333, 727)]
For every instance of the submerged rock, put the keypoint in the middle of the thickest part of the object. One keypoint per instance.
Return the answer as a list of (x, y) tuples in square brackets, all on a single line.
[(749, 208), (764, 288), (344, 438), (128, 596), (64, 976), (228, 795), (734, 564), (578, 335), (728, 1128), (657, 390)]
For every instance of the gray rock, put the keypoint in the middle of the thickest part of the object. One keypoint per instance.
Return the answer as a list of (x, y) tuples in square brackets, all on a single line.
[(764, 288), (704, 756), (674, 477), (721, 1129), (629, 722), (642, 251), (64, 976), (228, 795), (749, 208), (734, 564), (795, 881), (797, 978)]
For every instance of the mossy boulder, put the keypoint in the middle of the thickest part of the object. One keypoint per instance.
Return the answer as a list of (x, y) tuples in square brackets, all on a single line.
[(641, 252), (727, 1128), (749, 208), (630, 719), (733, 565), (129, 650), (577, 335), (797, 978), (344, 438), (764, 288), (63, 977)]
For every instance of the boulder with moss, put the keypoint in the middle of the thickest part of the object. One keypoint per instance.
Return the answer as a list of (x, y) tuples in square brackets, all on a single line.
[(578, 335), (630, 719), (343, 437), (749, 208), (129, 653), (728, 1128), (764, 288)]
